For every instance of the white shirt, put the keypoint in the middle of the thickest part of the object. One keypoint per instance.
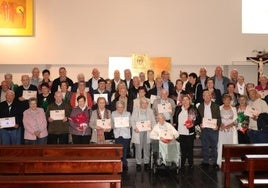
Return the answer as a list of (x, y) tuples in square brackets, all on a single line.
[(261, 107), (94, 84)]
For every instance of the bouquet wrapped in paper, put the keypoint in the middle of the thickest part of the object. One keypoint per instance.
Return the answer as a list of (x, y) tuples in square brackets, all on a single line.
[(80, 120), (242, 121), (191, 119)]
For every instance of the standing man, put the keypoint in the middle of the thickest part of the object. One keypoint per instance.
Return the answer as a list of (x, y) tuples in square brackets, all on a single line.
[(62, 77), (57, 115), (167, 84), (211, 121), (92, 83), (115, 81), (11, 85), (35, 80), (128, 78), (220, 80), (202, 78), (3, 90), (10, 108)]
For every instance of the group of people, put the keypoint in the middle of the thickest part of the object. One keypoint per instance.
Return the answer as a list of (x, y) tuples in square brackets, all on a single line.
[(136, 110)]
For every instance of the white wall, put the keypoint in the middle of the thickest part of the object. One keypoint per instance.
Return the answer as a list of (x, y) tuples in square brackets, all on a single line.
[(88, 32)]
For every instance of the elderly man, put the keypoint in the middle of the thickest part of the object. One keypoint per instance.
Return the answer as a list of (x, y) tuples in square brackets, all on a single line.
[(92, 83), (4, 88), (11, 85), (234, 76), (115, 81), (165, 106), (8, 109), (259, 106), (128, 78), (220, 80), (57, 115), (80, 78), (202, 78), (35, 80), (62, 77), (167, 84), (211, 120)]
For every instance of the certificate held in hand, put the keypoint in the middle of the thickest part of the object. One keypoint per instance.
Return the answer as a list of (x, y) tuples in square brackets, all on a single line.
[(96, 96), (209, 123), (57, 114), (143, 125), (7, 122), (104, 123), (250, 111), (166, 134), (27, 94), (121, 122), (164, 108)]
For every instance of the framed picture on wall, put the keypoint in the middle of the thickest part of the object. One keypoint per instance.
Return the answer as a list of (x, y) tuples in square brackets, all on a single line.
[(16, 17)]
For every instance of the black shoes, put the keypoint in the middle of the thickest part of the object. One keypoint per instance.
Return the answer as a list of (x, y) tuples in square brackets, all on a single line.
[(147, 167), (125, 168), (138, 167), (204, 165), (215, 167)]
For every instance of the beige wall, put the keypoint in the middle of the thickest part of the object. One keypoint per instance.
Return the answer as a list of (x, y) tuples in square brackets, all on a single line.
[(88, 32)]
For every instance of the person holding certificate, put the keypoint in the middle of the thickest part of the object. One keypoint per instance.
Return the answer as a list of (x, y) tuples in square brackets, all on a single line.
[(79, 119), (186, 117), (35, 124), (81, 90), (142, 122), (100, 122), (121, 126), (255, 107), (57, 115), (10, 129), (227, 132), (211, 120), (165, 106), (101, 92)]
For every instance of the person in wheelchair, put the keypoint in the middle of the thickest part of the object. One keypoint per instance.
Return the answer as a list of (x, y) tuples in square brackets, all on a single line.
[(165, 148)]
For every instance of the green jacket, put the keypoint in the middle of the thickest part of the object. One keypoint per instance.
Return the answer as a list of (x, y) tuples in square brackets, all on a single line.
[(58, 126)]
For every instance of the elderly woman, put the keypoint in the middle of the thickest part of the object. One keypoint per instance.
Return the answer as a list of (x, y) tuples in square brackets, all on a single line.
[(227, 132), (142, 122), (141, 95), (79, 119), (101, 113), (185, 118), (121, 126), (35, 124), (81, 90), (166, 134)]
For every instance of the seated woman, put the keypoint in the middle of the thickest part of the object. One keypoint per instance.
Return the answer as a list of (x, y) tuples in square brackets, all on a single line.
[(142, 117), (35, 124), (101, 113), (165, 135), (121, 126), (79, 120)]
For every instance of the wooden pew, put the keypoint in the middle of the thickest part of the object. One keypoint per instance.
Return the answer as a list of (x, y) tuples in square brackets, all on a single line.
[(62, 150), (60, 165), (61, 181), (232, 154), (255, 163)]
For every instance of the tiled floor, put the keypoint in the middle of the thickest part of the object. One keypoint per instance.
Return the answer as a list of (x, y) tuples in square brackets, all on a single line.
[(165, 178)]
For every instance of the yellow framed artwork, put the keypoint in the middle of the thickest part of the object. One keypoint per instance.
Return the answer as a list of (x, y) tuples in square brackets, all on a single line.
[(16, 18)]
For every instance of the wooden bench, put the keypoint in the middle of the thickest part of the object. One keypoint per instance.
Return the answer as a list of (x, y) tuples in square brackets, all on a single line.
[(60, 165), (255, 163), (62, 150), (61, 181), (233, 155)]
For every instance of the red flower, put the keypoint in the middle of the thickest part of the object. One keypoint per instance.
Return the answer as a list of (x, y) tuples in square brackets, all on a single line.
[(79, 118), (188, 123)]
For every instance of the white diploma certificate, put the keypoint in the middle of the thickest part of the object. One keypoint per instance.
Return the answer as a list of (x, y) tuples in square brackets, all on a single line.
[(164, 108), (96, 96), (104, 123), (121, 122), (27, 94), (166, 134), (152, 98), (57, 114), (251, 112), (7, 122), (143, 125), (263, 93), (209, 123)]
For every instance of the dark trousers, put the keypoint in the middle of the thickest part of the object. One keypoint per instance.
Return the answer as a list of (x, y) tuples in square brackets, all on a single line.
[(38, 141), (242, 137), (257, 136), (125, 142), (58, 138), (187, 147), (209, 138), (79, 139)]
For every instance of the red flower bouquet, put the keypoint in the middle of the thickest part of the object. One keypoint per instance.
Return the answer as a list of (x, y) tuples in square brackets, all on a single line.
[(79, 119)]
